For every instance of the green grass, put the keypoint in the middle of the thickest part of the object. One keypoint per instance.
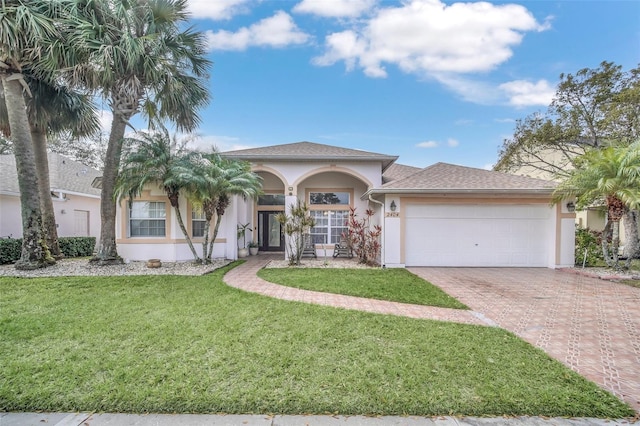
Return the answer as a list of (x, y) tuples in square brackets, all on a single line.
[(193, 345), (397, 285)]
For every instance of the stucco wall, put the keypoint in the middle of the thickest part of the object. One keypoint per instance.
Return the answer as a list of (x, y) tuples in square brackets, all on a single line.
[(64, 210)]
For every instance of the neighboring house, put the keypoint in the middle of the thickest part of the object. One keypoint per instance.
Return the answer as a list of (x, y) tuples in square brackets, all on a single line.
[(442, 215), (75, 202), (541, 165)]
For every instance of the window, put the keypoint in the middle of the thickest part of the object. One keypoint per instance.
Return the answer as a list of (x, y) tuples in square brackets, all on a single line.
[(147, 219), (271, 200), (330, 198), (330, 226), (198, 222)]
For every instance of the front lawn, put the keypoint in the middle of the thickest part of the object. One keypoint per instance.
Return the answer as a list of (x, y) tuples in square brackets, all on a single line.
[(397, 285), (193, 345)]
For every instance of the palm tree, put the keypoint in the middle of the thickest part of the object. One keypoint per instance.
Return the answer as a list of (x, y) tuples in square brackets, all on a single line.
[(140, 58), (611, 176), (156, 158), (222, 179), (26, 30), (52, 108)]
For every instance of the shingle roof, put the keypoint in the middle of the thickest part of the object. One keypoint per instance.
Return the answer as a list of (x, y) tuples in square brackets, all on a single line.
[(64, 175), (398, 171), (443, 177), (308, 151)]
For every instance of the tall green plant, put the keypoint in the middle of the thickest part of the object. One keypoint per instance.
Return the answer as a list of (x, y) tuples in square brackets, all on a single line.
[(610, 176), (142, 59), (159, 159), (295, 224), (221, 178)]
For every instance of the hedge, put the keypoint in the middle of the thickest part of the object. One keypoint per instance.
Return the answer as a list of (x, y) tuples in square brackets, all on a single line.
[(11, 248)]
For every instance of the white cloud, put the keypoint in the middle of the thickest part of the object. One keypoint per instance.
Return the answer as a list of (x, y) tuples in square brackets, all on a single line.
[(428, 36), (334, 8), (524, 93), (488, 166), (504, 120), (216, 10), (278, 30), (220, 143), (427, 144), (451, 143)]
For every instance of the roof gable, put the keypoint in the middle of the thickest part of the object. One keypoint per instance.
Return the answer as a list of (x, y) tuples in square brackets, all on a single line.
[(443, 177), (308, 151)]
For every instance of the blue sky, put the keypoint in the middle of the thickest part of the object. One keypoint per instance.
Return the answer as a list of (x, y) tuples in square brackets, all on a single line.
[(423, 79)]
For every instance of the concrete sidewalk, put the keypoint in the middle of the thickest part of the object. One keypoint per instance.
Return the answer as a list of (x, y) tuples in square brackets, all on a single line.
[(106, 419)]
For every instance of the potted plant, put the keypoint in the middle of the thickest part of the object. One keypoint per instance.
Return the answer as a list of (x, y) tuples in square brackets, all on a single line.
[(242, 235), (253, 248)]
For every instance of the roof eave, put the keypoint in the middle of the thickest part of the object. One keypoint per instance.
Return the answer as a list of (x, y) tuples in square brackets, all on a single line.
[(386, 160), (534, 191)]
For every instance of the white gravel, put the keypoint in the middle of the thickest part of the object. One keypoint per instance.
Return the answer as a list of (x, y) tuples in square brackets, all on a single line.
[(82, 267)]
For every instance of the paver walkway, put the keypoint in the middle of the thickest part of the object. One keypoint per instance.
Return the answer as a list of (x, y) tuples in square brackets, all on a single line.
[(244, 277), (590, 325)]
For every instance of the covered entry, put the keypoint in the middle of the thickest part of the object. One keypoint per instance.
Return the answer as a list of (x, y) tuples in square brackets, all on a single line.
[(478, 235)]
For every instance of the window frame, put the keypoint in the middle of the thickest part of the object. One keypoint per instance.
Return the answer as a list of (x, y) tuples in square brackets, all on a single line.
[(331, 209), (131, 218)]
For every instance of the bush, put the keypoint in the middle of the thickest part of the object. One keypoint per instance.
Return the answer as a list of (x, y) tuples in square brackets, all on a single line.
[(77, 246), (591, 241), (11, 248)]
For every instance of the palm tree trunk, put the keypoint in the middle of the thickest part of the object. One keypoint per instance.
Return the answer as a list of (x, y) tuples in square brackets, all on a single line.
[(631, 240), (107, 253), (35, 253), (214, 236), (205, 242), (615, 243), (39, 139), (183, 228)]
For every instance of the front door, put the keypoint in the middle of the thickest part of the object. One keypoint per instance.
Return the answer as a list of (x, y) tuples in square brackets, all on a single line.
[(270, 237)]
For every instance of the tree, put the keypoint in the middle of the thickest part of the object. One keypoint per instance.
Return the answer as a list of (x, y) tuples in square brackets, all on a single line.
[(221, 179), (593, 109), (89, 151), (156, 158), (142, 61), (610, 176), (27, 30), (52, 108)]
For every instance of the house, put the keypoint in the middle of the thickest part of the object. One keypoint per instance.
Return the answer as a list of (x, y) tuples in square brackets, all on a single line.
[(442, 215), (541, 164), (76, 203)]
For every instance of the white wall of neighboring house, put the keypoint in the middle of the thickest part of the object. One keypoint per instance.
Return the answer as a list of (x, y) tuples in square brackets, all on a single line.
[(10, 216), (69, 212)]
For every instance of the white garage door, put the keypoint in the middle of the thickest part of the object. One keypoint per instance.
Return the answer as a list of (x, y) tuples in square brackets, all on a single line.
[(477, 235)]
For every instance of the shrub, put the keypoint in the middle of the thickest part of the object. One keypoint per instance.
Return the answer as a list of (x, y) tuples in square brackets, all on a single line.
[(589, 242), (364, 239), (77, 246), (295, 225), (11, 248)]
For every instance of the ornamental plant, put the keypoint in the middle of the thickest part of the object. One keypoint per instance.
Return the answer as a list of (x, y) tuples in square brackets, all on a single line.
[(363, 238)]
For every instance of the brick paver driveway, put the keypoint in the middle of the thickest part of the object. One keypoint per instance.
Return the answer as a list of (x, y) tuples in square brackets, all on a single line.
[(591, 325)]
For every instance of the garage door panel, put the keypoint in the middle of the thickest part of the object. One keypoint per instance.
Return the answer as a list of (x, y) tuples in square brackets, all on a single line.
[(483, 235)]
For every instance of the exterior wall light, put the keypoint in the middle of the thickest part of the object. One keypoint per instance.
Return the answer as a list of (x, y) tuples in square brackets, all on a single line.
[(571, 207), (393, 206)]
